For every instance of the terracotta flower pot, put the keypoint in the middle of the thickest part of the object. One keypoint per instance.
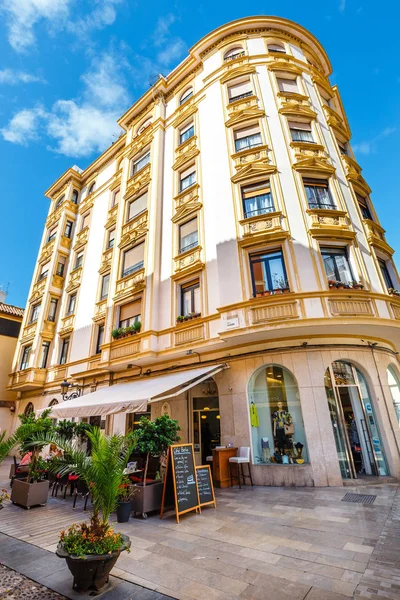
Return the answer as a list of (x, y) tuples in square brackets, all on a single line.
[(91, 572)]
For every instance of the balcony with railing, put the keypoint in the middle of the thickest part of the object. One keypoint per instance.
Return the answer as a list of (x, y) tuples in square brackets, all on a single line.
[(189, 258), (81, 238), (48, 329), (47, 251), (376, 236), (187, 151), (29, 332), (106, 260), (65, 242), (112, 216), (67, 324), (132, 281), (39, 287), (55, 216), (138, 180), (100, 311), (75, 279), (264, 224), (27, 379), (325, 220)]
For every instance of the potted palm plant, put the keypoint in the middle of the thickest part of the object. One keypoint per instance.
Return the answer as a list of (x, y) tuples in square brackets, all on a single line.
[(152, 439), (92, 549), (34, 489)]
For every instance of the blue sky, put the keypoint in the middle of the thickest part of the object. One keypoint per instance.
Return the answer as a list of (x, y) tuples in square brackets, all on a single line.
[(70, 68)]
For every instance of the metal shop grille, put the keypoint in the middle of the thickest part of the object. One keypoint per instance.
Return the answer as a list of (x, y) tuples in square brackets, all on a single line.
[(359, 498)]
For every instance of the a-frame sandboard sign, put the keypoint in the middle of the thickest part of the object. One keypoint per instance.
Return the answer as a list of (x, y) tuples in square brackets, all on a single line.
[(180, 483)]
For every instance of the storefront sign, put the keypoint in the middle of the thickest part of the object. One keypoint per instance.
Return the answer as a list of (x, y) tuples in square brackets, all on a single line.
[(205, 485), (180, 483)]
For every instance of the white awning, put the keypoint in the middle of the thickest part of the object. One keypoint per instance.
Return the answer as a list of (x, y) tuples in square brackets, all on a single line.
[(132, 396)]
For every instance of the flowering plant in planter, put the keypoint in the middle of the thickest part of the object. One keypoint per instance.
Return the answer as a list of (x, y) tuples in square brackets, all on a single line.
[(4, 495), (393, 292), (93, 538), (124, 331), (356, 285)]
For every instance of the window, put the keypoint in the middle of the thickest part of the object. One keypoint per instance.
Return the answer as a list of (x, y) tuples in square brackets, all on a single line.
[(326, 100), (268, 272), (247, 138), (363, 204), (287, 85), (241, 90), (78, 260), (140, 163), (75, 196), (100, 338), (44, 271), (318, 194), (190, 298), (105, 282), (275, 47), (60, 266), (115, 198), (394, 388), (301, 132), (275, 402), (186, 95), (130, 313), (188, 235), (64, 351), (85, 221), (26, 352), (52, 234), (68, 229), (186, 133), (234, 53), (385, 273), (59, 201), (35, 313), (342, 147), (133, 420), (144, 126), (44, 355), (257, 199), (52, 310), (133, 260), (137, 206), (337, 266), (92, 187), (111, 238), (71, 304), (187, 178)]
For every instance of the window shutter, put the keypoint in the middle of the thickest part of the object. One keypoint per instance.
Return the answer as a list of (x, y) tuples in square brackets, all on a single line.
[(316, 182), (137, 206), (300, 125), (276, 47), (239, 88), (130, 310), (247, 131), (45, 268), (188, 228), (256, 189), (288, 85), (85, 220), (133, 256), (187, 172)]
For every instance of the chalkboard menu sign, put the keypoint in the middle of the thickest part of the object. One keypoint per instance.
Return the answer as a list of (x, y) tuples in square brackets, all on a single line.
[(205, 485), (180, 483)]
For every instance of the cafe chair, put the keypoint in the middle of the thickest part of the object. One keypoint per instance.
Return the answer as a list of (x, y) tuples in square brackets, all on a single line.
[(242, 459), (209, 459)]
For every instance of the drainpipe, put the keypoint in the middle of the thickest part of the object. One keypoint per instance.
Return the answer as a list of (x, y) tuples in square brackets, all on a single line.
[(372, 345)]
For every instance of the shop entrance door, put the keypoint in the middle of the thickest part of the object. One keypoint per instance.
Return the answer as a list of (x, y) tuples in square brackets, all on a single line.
[(206, 427), (354, 425)]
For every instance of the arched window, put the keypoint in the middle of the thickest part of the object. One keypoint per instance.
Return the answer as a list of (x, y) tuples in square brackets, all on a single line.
[(394, 387), (144, 126), (59, 201), (233, 53), (188, 93), (276, 47), (276, 419), (92, 187), (75, 196), (29, 409)]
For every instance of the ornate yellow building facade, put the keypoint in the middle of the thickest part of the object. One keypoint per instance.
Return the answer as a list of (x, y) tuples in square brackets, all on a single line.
[(226, 251)]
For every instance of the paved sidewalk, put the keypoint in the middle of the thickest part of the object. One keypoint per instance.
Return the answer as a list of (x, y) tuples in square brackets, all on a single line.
[(14, 586), (274, 543)]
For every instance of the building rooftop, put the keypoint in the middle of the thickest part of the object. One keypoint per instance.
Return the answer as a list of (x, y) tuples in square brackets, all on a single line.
[(8, 309)]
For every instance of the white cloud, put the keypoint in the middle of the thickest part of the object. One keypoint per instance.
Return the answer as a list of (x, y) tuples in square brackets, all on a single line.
[(80, 130), (81, 126), (342, 5), (368, 147), (8, 76), (23, 127), (161, 31), (172, 52), (21, 16)]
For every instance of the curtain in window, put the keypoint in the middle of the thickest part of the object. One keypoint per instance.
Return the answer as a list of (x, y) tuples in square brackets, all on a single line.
[(247, 137), (318, 194), (186, 133), (288, 85), (336, 265), (240, 89), (137, 206), (141, 162), (188, 235), (133, 260), (301, 132), (188, 178), (257, 199)]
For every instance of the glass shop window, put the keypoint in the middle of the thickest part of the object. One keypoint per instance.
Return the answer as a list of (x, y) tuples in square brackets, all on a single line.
[(277, 428)]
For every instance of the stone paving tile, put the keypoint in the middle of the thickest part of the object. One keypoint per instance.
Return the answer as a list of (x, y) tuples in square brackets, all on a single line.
[(15, 586)]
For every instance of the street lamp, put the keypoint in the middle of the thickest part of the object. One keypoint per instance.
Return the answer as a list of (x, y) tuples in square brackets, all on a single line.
[(65, 387)]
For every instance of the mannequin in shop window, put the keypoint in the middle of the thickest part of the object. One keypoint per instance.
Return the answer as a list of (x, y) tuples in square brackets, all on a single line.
[(283, 429), (355, 444)]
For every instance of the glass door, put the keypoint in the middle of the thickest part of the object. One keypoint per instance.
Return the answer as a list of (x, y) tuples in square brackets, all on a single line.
[(206, 427)]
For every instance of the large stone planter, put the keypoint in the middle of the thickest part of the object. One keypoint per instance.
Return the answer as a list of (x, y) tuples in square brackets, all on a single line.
[(29, 494), (147, 498), (91, 572)]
